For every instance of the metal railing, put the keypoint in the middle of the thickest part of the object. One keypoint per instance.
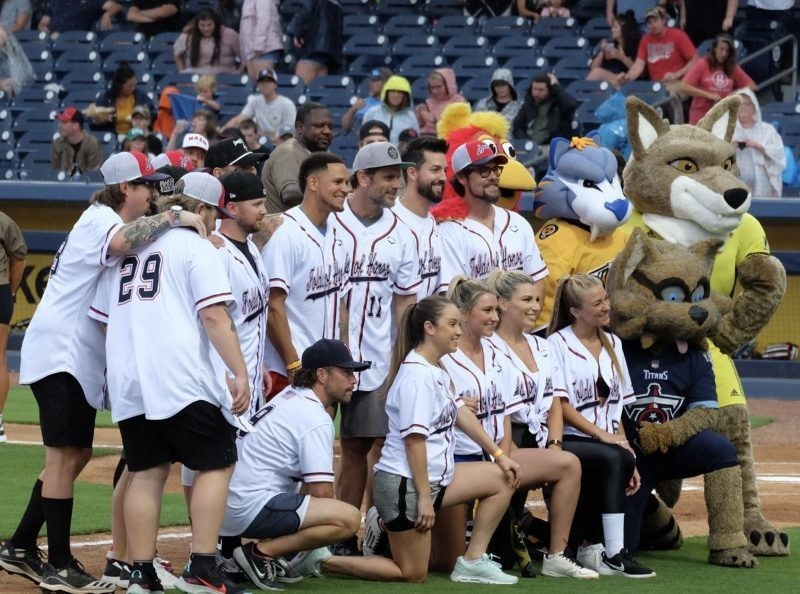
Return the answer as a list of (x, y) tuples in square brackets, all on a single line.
[(791, 70)]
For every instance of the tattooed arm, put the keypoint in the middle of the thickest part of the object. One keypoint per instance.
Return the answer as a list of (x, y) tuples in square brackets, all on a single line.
[(142, 231), (221, 332)]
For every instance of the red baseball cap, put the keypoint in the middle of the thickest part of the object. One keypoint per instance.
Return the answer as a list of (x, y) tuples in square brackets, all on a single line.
[(475, 152), (126, 167), (71, 114)]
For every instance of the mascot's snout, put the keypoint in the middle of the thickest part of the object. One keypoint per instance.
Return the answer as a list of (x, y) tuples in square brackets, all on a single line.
[(735, 197), (698, 314), (620, 208)]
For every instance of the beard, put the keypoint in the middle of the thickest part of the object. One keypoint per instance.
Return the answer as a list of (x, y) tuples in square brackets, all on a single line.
[(430, 194)]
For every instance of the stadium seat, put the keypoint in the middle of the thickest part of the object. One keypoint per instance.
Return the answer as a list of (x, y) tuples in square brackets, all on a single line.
[(81, 78), (37, 53), (778, 110), (77, 59), (389, 8), (419, 89), (436, 9), (475, 89), (705, 47), (420, 64), (35, 98), (584, 114), (405, 24), (232, 97), (360, 24), (132, 55), (32, 35), (40, 171), (454, 25), (584, 10), (586, 90), (790, 132), (228, 79), (467, 45), (84, 41), (410, 45), (525, 67), (164, 66), (122, 40), (366, 45), (596, 29), (81, 97), (505, 26), (573, 68), (562, 47), (291, 87), (554, 27), (330, 85), (363, 65), (510, 47), (653, 93), (161, 43), (467, 67)]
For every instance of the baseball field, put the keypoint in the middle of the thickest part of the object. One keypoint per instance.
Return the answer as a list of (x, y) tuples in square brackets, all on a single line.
[(775, 439)]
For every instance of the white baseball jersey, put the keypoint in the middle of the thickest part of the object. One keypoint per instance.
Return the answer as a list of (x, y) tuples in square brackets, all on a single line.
[(472, 249), (61, 337), (421, 401), (291, 443), (533, 388), (383, 262), (491, 387), (249, 311), (155, 342), (428, 246), (306, 264), (579, 375)]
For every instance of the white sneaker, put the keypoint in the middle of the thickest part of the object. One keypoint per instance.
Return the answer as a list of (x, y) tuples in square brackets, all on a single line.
[(164, 572), (559, 565), (373, 530), (309, 563), (481, 571), (591, 557)]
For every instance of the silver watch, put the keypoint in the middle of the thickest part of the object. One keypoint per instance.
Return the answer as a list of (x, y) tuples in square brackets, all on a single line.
[(176, 215)]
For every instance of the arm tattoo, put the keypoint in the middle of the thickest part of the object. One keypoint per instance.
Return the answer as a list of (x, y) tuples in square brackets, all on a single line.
[(143, 231)]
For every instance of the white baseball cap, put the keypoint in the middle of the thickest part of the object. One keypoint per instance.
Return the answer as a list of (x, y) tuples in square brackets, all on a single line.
[(129, 166), (378, 154), (201, 186), (475, 152), (195, 141)]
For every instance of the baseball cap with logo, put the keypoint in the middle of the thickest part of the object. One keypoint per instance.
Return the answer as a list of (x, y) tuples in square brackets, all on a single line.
[(267, 74), (135, 133), (475, 152), (327, 352), (71, 114), (195, 141), (240, 186), (141, 110), (202, 186), (232, 151), (176, 158), (378, 154), (166, 187), (285, 131), (127, 167), (382, 73)]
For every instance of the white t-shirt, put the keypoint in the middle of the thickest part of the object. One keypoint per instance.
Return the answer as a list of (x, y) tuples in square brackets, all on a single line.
[(155, 341), (306, 264), (472, 249), (492, 389), (61, 337), (428, 246), (291, 443), (383, 263), (577, 380), (269, 116), (533, 388), (249, 311), (421, 401)]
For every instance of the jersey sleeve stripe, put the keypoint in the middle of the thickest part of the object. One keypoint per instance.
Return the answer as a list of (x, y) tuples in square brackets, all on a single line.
[(415, 428), (214, 298), (540, 274), (97, 314), (318, 476)]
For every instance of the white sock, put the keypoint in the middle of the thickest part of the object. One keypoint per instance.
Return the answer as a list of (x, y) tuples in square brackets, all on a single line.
[(613, 533)]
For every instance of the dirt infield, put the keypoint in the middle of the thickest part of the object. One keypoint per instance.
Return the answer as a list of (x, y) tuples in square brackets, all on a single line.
[(777, 451)]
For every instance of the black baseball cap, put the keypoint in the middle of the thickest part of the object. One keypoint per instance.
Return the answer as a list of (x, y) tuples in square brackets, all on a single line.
[(166, 187), (331, 353), (370, 125), (242, 185), (267, 74), (232, 151)]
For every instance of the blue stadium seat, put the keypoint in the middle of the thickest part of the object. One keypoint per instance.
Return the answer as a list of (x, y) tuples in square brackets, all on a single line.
[(585, 117), (442, 8), (85, 41), (343, 142), (291, 87), (134, 56), (467, 45), (777, 110), (35, 98), (406, 24), (366, 45), (161, 43), (81, 97), (81, 78), (505, 26), (554, 27), (107, 140), (587, 9), (596, 29), (705, 47), (122, 40), (331, 85), (228, 79), (453, 25), (233, 97), (410, 45), (32, 35), (32, 170), (419, 89), (388, 8), (586, 90), (562, 47), (420, 64), (790, 132), (510, 47), (475, 66), (653, 93), (43, 72), (355, 6), (362, 65), (37, 53), (475, 89), (164, 66), (359, 24), (76, 59), (573, 68), (525, 67)]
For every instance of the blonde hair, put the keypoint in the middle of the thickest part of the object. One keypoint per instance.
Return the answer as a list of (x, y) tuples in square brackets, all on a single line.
[(569, 293), (206, 82), (504, 282), (464, 291), (187, 203)]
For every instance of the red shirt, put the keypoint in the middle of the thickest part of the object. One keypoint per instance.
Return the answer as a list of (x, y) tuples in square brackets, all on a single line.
[(668, 52), (713, 81)]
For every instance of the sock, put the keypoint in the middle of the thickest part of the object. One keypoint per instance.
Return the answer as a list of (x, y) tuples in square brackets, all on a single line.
[(613, 533), (470, 561), (58, 515), (202, 562), (228, 544), (31, 522), (145, 567)]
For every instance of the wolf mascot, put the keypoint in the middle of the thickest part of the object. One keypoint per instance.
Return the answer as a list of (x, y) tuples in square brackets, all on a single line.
[(683, 183)]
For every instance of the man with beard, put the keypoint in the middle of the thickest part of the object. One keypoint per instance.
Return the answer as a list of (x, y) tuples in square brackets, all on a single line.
[(384, 279), (313, 133), (425, 179), (489, 237)]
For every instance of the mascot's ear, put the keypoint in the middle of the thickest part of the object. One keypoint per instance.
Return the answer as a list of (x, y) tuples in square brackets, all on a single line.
[(644, 126), (595, 136), (558, 146), (707, 250), (627, 261), (721, 119)]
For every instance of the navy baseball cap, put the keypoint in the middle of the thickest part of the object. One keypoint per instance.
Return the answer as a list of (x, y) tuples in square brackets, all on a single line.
[(331, 353)]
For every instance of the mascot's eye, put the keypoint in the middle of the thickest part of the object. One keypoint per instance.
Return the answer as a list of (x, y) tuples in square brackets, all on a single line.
[(511, 152), (685, 165), (673, 294), (699, 294), (728, 164), (491, 144), (587, 183)]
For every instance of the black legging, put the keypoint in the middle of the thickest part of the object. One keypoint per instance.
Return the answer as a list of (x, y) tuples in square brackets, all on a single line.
[(606, 470)]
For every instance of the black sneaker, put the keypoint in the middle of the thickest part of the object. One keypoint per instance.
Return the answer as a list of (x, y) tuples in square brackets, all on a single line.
[(258, 567), (625, 565), (73, 579), (231, 570), (145, 581), (347, 548), (117, 572), (284, 573), (22, 562), (206, 581)]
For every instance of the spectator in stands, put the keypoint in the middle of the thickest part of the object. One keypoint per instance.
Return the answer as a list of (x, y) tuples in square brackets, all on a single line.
[(285, 133), (759, 149), (554, 8), (714, 76), (136, 140), (120, 99), (355, 114), (140, 118), (15, 15), (618, 53), (204, 123), (155, 16), (74, 151), (528, 9), (406, 137), (503, 98), (195, 146), (313, 133), (230, 12), (206, 89), (16, 71), (396, 109), (443, 91), (78, 16), (232, 154), (639, 8), (372, 131), (666, 52), (261, 35), (705, 19), (165, 121), (207, 47), (546, 113), (317, 30), (487, 8), (769, 10), (249, 131), (269, 109)]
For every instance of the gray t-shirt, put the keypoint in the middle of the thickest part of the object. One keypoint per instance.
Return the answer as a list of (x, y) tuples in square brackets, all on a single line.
[(270, 116), (10, 12)]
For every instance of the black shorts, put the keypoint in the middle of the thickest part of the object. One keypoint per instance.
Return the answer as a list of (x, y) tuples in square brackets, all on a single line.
[(198, 437), (6, 304), (283, 514), (65, 417)]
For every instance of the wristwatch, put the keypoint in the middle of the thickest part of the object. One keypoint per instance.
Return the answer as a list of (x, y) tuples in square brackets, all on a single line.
[(176, 215)]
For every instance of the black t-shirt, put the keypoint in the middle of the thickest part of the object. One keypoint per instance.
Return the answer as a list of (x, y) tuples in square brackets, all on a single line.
[(169, 24), (242, 245)]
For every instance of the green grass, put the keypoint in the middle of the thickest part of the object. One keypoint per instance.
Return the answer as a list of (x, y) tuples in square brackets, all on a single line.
[(21, 408), (756, 422), (92, 513)]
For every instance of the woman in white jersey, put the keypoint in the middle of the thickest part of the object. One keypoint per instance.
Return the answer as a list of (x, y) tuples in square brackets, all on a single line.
[(593, 385), (536, 426), (415, 475)]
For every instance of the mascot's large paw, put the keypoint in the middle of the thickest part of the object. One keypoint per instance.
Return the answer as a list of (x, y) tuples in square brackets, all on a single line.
[(738, 557), (660, 531), (763, 538), (669, 491), (654, 437)]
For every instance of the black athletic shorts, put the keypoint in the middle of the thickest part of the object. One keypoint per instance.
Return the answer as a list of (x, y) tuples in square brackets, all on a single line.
[(65, 417), (6, 304), (198, 437)]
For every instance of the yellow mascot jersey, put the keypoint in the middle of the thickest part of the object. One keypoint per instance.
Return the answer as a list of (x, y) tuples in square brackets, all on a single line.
[(566, 249), (748, 238)]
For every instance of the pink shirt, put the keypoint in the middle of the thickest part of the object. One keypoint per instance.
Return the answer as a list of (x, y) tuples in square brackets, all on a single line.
[(668, 52), (260, 28), (712, 81), (228, 53)]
